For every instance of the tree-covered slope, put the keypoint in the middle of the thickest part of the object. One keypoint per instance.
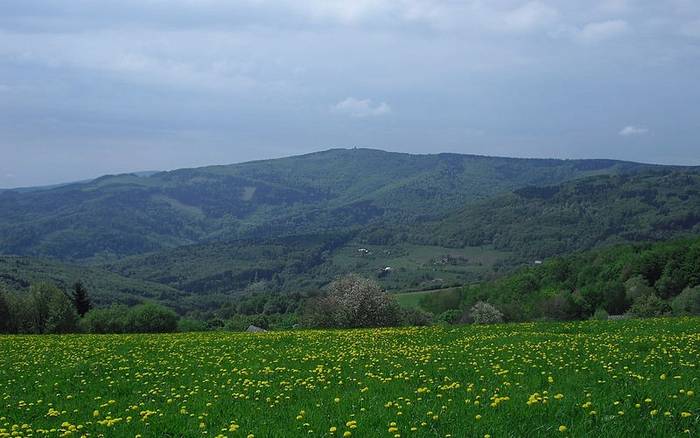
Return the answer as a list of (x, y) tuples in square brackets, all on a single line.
[(494, 235), (17, 274), (538, 222), (115, 216), (612, 279), (229, 268), (473, 244)]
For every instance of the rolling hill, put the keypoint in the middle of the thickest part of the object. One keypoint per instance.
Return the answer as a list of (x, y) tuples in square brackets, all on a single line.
[(116, 216), (18, 273), (197, 238), (539, 222)]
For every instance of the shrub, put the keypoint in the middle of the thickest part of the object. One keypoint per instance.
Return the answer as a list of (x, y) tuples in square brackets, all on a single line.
[(50, 310), (649, 306), (191, 325), (637, 286), (152, 318), (417, 317), (112, 319), (62, 317), (485, 313), (600, 315), (353, 301), (449, 316), (560, 307), (238, 322), (687, 302)]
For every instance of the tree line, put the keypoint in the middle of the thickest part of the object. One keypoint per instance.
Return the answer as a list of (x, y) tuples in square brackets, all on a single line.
[(351, 301), (46, 309), (645, 280)]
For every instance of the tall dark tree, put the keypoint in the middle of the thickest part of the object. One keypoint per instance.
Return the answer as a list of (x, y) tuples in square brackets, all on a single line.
[(81, 299), (4, 313)]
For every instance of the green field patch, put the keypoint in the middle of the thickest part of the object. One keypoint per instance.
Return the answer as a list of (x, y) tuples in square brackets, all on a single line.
[(416, 267)]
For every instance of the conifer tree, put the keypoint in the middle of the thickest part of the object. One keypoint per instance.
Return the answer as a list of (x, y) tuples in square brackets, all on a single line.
[(81, 299)]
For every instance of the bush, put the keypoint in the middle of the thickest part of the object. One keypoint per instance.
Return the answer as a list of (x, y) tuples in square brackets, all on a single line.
[(649, 306), (561, 307), (112, 319), (637, 286), (449, 316), (152, 318), (50, 310), (62, 317), (239, 323), (353, 301), (485, 313), (416, 317), (600, 315), (687, 302), (191, 325), (21, 315)]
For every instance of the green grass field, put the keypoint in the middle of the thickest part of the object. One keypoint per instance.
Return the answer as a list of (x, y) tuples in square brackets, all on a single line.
[(614, 378), (435, 301), (416, 267)]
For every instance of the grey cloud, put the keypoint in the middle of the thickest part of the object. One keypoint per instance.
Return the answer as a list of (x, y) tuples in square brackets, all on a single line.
[(361, 108), (101, 86)]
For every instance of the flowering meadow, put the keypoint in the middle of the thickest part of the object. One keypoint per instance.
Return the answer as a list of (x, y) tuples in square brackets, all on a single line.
[(596, 378)]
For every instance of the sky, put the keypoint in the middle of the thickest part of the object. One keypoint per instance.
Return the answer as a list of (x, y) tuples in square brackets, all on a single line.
[(93, 87)]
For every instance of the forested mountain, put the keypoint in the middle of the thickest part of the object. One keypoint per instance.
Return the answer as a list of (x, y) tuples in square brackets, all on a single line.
[(196, 238), (115, 216)]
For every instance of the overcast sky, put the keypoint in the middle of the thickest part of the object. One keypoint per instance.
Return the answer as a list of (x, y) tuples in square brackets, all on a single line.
[(89, 87)]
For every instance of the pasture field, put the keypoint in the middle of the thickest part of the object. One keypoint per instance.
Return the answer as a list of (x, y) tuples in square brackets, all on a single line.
[(435, 301), (420, 266), (629, 378)]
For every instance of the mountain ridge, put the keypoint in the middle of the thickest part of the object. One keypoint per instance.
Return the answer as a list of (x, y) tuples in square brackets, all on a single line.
[(116, 216), (149, 173)]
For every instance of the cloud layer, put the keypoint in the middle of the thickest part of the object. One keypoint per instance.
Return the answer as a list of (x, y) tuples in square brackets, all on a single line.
[(90, 87), (630, 130)]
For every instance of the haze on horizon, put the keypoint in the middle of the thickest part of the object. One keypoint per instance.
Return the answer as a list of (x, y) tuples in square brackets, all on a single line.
[(93, 87)]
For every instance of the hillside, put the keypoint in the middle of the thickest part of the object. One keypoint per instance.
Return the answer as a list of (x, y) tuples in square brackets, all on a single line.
[(538, 222), (305, 263), (612, 278), (576, 285), (476, 243), (18, 273), (116, 216)]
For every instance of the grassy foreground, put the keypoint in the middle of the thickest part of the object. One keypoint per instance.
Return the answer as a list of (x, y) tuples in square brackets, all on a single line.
[(617, 378)]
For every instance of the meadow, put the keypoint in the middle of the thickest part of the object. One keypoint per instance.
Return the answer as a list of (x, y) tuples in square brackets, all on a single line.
[(594, 378)]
